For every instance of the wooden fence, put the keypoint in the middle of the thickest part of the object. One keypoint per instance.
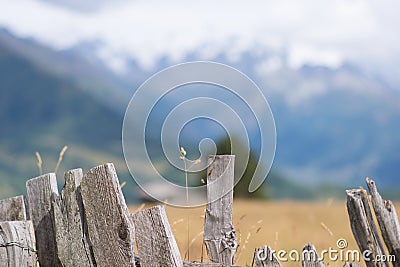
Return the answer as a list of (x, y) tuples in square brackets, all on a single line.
[(88, 224)]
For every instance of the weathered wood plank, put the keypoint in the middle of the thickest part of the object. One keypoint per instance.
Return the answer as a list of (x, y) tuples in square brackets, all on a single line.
[(206, 264), (310, 257), (17, 244), (388, 221), (351, 264), (40, 190), (110, 228), (194, 264), (265, 257), (219, 234), (13, 209), (73, 244), (360, 223), (155, 242)]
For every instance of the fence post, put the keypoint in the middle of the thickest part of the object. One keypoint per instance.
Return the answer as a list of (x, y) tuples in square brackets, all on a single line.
[(388, 221), (110, 229), (363, 226), (219, 234), (40, 190), (206, 264), (310, 257), (13, 209), (264, 257), (351, 264), (70, 229), (17, 244), (156, 244)]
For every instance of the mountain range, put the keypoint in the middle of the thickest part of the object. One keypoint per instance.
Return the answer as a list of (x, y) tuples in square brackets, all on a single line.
[(334, 126)]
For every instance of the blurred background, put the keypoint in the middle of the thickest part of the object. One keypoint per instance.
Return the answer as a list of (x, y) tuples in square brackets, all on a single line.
[(329, 69)]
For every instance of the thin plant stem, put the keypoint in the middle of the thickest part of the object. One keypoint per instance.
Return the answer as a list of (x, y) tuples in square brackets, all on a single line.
[(187, 203), (60, 158), (39, 162)]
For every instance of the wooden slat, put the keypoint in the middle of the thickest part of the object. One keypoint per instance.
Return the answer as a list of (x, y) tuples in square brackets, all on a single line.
[(13, 209), (40, 190), (351, 264), (17, 244), (219, 234), (362, 226), (110, 229), (388, 221), (206, 264), (73, 244), (155, 242), (264, 257), (193, 264), (310, 257)]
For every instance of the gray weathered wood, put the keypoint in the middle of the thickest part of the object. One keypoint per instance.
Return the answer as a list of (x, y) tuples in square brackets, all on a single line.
[(360, 222), (195, 264), (388, 221), (351, 264), (13, 209), (73, 244), (219, 233), (310, 257), (206, 264), (40, 190), (17, 244), (110, 228), (155, 242), (265, 257)]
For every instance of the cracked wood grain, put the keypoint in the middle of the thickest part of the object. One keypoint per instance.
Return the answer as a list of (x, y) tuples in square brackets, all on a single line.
[(156, 244), (40, 191), (70, 227), (13, 209), (219, 233), (110, 228)]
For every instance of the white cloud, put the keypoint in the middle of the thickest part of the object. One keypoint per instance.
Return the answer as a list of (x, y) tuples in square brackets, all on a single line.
[(315, 32), (300, 54)]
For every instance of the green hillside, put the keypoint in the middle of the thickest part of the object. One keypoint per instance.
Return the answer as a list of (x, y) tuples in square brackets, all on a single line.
[(43, 112)]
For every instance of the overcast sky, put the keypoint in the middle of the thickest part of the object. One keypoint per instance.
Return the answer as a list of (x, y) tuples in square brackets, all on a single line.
[(318, 32)]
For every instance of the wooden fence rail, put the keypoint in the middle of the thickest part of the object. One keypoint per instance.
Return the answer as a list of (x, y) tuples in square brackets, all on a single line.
[(88, 224)]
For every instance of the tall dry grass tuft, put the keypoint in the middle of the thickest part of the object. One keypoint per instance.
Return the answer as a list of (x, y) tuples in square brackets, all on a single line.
[(60, 158)]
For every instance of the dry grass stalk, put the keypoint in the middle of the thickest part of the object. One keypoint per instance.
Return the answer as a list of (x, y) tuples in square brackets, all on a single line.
[(177, 221), (60, 158), (276, 239), (243, 248), (141, 207), (194, 240), (39, 162), (327, 229), (183, 158)]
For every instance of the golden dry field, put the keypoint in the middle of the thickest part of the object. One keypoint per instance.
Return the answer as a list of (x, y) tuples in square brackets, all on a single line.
[(283, 225)]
